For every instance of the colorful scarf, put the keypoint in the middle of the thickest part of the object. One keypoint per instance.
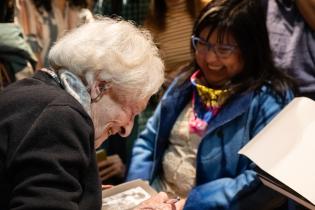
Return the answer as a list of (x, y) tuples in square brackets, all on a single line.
[(206, 104)]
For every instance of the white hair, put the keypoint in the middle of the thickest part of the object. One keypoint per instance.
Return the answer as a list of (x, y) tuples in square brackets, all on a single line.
[(114, 50)]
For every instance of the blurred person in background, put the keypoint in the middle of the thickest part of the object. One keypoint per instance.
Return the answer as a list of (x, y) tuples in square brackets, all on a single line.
[(17, 60), (291, 27), (171, 23), (46, 21), (100, 77)]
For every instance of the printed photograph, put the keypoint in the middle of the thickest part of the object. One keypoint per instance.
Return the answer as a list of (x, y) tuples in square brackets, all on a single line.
[(125, 200)]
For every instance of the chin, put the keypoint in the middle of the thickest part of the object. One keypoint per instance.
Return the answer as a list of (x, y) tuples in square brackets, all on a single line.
[(99, 141)]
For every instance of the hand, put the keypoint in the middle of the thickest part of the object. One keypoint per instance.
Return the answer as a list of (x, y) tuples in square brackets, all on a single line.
[(157, 202), (180, 204), (112, 166), (107, 186)]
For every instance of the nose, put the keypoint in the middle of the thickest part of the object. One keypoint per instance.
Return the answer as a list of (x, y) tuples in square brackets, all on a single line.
[(126, 130), (211, 55)]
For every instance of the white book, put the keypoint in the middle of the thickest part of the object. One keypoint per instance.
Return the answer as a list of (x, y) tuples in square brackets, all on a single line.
[(285, 151)]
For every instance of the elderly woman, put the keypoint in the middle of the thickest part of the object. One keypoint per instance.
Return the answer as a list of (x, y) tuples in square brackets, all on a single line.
[(102, 75)]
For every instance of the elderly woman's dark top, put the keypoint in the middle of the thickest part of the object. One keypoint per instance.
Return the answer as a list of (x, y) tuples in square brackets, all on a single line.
[(47, 156)]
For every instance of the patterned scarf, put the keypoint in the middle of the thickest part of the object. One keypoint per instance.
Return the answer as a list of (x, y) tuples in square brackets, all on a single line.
[(206, 104), (73, 85)]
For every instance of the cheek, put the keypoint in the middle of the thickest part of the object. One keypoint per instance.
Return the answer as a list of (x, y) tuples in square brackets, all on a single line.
[(99, 118), (235, 65), (200, 60)]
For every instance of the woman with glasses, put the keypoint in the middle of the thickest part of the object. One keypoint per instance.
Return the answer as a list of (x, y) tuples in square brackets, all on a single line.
[(228, 93)]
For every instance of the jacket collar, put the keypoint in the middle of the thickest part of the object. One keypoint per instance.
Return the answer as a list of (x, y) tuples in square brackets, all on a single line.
[(178, 99)]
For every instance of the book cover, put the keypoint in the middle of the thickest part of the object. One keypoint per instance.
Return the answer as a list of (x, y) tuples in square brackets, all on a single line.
[(285, 151), (276, 185)]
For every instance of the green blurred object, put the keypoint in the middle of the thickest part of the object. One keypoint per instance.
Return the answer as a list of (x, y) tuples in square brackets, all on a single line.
[(101, 155)]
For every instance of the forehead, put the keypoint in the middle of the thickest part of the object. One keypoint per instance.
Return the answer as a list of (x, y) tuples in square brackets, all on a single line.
[(216, 36), (139, 106), (136, 105)]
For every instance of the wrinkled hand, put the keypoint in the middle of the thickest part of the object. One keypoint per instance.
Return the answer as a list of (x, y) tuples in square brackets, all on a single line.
[(112, 166), (180, 204), (157, 202)]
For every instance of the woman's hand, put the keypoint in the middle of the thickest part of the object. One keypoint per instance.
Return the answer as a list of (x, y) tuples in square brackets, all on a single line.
[(110, 167), (180, 204), (157, 202)]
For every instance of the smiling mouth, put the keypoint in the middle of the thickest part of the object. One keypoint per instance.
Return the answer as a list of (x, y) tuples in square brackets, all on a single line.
[(211, 68)]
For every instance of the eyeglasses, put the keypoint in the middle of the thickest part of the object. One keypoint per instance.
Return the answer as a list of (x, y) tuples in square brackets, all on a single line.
[(203, 47), (103, 87)]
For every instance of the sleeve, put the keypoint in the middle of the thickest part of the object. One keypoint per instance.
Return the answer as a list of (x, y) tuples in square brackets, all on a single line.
[(47, 167), (142, 159), (244, 191)]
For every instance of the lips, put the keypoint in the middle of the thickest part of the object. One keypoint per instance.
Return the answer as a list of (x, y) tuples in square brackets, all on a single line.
[(214, 68)]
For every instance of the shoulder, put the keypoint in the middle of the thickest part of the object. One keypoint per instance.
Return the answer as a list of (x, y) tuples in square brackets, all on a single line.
[(266, 103), (179, 86), (266, 92), (38, 94)]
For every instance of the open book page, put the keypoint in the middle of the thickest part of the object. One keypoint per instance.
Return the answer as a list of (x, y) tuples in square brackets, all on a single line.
[(126, 196), (285, 148)]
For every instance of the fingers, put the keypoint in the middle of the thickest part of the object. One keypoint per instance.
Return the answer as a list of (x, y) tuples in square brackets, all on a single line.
[(157, 202), (161, 206), (107, 186), (112, 166), (110, 160), (173, 200), (180, 204), (161, 197), (108, 173), (104, 163), (117, 169)]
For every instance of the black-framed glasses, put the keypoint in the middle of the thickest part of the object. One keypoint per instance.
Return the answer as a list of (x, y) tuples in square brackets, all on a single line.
[(203, 47)]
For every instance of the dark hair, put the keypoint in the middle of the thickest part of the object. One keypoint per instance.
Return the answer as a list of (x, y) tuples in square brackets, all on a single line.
[(245, 21), (7, 11), (46, 4), (157, 13)]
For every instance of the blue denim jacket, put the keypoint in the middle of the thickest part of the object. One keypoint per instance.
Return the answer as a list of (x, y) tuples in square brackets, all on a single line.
[(224, 179)]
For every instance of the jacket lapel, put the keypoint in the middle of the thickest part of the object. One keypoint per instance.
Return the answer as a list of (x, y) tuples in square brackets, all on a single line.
[(234, 108)]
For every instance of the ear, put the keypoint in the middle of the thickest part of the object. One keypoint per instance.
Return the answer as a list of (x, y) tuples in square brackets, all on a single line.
[(98, 89), (103, 86)]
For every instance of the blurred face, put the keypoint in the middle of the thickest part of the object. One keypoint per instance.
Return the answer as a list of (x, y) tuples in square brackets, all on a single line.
[(110, 116), (218, 62)]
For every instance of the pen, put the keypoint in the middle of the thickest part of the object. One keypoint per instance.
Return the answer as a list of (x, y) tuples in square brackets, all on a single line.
[(173, 200)]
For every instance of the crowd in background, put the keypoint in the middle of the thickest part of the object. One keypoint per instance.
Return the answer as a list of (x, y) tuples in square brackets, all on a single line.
[(182, 29)]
